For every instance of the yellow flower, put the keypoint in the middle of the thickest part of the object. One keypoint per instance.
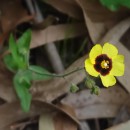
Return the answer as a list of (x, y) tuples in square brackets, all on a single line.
[(106, 63)]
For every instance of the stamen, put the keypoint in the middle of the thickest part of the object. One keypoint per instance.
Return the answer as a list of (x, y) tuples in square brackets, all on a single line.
[(105, 64)]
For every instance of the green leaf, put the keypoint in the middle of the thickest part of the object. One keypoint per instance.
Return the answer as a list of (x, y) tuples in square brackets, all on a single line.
[(115, 4), (22, 83), (25, 77), (39, 73), (24, 42), (26, 99), (21, 86), (13, 47), (17, 58), (29, 75), (10, 63)]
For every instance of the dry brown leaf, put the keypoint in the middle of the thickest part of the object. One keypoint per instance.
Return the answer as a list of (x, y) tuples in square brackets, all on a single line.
[(106, 104), (11, 112), (69, 110), (67, 7), (6, 86), (122, 126), (84, 125), (49, 20), (123, 115), (98, 13), (62, 122), (73, 2), (96, 30), (46, 122), (114, 36), (12, 14), (57, 32), (58, 121), (99, 19)]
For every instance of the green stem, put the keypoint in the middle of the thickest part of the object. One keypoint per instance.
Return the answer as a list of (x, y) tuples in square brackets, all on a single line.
[(57, 75)]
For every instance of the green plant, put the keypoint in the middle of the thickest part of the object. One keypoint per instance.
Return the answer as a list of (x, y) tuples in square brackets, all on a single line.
[(17, 61), (115, 4)]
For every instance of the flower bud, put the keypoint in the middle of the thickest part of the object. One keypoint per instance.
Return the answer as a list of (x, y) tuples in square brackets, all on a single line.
[(74, 88)]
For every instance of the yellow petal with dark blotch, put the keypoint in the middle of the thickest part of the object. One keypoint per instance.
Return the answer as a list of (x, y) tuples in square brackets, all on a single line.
[(118, 68), (108, 80), (110, 50), (90, 68), (119, 58), (95, 51)]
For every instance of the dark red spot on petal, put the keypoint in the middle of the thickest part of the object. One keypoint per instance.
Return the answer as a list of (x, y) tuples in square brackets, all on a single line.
[(98, 67)]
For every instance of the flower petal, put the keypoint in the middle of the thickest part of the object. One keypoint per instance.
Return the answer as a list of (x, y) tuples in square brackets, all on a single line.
[(119, 58), (95, 51), (108, 80), (110, 50), (118, 68), (90, 68)]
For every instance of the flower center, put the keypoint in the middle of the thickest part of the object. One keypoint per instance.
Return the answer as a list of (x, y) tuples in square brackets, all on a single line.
[(105, 64)]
